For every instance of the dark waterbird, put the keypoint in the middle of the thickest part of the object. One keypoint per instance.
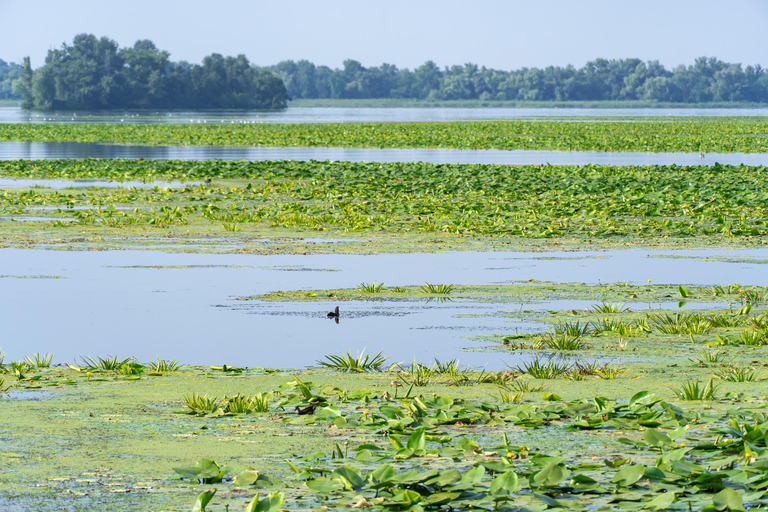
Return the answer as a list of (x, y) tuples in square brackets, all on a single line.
[(334, 314)]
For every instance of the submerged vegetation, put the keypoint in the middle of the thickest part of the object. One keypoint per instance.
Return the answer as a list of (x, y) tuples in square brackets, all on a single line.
[(726, 135)]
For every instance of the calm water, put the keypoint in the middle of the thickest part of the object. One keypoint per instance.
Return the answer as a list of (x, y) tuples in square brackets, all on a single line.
[(120, 302), (54, 150), (360, 115)]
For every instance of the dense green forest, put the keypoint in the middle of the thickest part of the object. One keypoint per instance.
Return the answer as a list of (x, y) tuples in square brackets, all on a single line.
[(94, 73), (9, 73), (708, 79)]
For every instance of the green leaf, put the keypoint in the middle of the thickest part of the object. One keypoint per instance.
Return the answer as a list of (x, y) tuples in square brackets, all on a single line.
[(683, 292), (727, 499), (656, 438), (325, 485), (272, 503), (550, 476), (628, 475), (505, 483), (204, 470), (417, 440), (203, 499), (661, 502)]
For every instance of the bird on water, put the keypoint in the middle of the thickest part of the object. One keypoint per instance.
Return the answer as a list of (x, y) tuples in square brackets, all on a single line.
[(334, 314)]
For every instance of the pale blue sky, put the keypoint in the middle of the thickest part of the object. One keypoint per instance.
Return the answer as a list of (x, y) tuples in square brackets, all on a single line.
[(499, 34)]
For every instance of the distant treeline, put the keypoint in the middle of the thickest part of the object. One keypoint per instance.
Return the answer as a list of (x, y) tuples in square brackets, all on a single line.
[(708, 79), (93, 74), (9, 73)]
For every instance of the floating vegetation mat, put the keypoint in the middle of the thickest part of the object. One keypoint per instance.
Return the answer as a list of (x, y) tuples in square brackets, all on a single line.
[(722, 135), (426, 206)]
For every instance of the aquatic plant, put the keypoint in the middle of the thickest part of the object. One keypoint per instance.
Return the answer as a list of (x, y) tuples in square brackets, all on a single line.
[(437, 289), (509, 396), (449, 368), (107, 363), (572, 328), (736, 373), (564, 342), (201, 404), (608, 372), (415, 374), (205, 471), (693, 390), (549, 369), (165, 366), (710, 357), (359, 363), (609, 308), (680, 323), (40, 361), (370, 287)]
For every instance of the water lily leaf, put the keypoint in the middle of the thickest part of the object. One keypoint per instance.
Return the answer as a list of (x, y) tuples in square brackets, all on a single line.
[(203, 499), (383, 474), (441, 498), (727, 499), (325, 485), (204, 470), (505, 483), (445, 478), (656, 438), (550, 397), (628, 475), (550, 476), (661, 502), (351, 475), (549, 501), (417, 441), (639, 396), (474, 476), (273, 502)]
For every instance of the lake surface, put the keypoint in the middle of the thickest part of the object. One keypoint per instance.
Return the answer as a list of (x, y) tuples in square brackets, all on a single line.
[(131, 303), (57, 150), (360, 114)]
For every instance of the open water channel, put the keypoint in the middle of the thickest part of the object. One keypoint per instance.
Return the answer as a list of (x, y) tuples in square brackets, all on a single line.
[(151, 304)]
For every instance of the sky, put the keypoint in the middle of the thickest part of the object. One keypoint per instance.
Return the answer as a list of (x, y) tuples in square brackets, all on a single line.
[(501, 34)]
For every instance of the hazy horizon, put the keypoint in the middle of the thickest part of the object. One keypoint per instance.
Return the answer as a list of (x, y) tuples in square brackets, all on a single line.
[(494, 34)]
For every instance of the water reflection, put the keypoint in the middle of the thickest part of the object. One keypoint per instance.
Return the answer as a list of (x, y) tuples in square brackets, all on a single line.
[(56, 150)]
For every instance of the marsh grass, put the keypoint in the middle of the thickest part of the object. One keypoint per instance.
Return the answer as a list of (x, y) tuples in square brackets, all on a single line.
[(606, 308), (680, 323), (736, 373), (693, 390), (371, 287), (538, 369), (572, 328), (107, 363), (201, 404), (563, 342), (416, 374), (40, 361), (437, 289), (165, 366), (710, 358), (359, 363)]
